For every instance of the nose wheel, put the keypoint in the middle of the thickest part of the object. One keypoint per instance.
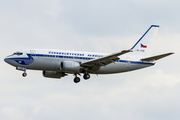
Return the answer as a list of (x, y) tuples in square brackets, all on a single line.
[(24, 74)]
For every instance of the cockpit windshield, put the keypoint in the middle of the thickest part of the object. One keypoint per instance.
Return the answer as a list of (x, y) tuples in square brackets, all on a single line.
[(17, 53)]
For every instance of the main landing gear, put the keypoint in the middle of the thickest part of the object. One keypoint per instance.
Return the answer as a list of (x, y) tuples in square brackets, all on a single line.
[(77, 79)]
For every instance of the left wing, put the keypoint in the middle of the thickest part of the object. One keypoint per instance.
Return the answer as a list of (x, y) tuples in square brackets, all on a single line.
[(97, 63)]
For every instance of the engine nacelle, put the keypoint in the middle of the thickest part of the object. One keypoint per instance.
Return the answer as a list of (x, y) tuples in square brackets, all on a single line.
[(70, 66), (53, 74)]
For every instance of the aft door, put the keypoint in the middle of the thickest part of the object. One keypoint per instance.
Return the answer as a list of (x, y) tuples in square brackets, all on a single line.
[(128, 63)]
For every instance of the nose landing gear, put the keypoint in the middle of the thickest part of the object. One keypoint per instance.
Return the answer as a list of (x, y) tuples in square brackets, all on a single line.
[(22, 69)]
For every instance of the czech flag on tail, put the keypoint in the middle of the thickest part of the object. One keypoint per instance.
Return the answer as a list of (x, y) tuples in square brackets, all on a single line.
[(143, 46)]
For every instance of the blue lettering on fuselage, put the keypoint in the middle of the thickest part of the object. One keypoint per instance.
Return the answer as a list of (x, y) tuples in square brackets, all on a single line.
[(74, 54)]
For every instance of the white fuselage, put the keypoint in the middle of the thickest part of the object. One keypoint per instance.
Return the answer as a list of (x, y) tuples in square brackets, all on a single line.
[(49, 60)]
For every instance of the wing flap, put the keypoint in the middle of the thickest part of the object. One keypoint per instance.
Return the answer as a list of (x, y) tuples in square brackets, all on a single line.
[(154, 58)]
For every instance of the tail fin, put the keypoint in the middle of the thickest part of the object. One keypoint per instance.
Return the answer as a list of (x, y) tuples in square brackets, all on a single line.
[(142, 47)]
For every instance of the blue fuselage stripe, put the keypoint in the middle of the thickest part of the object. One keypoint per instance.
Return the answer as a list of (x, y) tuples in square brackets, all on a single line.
[(75, 57), (88, 58)]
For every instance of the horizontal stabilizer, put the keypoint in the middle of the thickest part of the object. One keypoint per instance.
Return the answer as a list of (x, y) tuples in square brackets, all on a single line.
[(154, 58)]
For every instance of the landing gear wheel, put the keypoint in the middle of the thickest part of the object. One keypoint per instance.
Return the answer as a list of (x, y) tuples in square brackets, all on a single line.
[(86, 76), (76, 79), (24, 74)]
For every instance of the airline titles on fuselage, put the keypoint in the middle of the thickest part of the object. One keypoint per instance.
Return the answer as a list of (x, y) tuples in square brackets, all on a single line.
[(73, 54)]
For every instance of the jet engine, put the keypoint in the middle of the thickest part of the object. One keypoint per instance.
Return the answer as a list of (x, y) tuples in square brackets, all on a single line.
[(70, 66), (53, 74)]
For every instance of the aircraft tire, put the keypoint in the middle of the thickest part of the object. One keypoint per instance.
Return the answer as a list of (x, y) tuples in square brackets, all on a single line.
[(24, 74), (76, 79), (86, 76)]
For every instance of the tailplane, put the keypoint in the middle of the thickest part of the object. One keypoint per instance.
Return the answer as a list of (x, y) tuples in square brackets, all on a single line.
[(157, 57), (142, 47)]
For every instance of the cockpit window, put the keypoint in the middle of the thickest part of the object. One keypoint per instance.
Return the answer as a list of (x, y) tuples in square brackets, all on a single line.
[(18, 53)]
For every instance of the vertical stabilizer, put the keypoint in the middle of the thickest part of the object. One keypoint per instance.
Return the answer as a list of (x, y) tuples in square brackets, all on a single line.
[(143, 45)]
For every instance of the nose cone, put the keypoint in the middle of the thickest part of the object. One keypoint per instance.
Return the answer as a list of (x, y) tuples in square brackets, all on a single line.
[(6, 60)]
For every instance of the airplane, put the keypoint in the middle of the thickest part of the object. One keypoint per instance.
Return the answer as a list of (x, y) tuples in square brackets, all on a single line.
[(60, 63)]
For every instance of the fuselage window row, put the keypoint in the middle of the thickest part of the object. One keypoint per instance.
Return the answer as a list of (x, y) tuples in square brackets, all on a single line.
[(76, 54), (62, 53), (69, 57)]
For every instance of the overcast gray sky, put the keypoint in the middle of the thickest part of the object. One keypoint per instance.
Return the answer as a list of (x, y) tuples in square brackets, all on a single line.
[(97, 26)]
